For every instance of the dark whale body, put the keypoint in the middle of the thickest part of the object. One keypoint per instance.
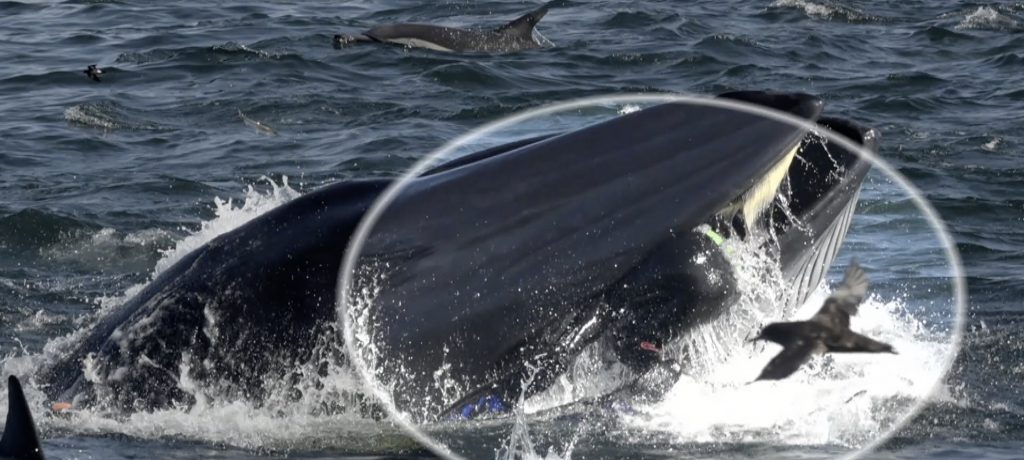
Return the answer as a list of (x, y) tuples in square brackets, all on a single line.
[(516, 35), (583, 221), (605, 251)]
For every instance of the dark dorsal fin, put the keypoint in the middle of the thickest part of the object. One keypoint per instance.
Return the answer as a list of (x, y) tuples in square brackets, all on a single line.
[(524, 24), (20, 441)]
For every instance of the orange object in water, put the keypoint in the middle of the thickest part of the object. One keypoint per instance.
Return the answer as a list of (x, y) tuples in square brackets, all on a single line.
[(649, 346)]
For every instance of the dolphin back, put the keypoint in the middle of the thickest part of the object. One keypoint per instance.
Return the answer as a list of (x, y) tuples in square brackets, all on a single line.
[(512, 36), (523, 26)]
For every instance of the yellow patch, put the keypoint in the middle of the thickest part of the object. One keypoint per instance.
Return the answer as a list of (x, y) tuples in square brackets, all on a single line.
[(759, 197)]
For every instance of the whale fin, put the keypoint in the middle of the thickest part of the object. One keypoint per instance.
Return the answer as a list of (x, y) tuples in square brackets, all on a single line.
[(523, 25), (19, 441)]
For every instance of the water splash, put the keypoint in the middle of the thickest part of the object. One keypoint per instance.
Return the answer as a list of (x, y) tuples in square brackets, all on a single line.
[(846, 400), (988, 18), (320, 406), (229, 217), (823, 10), (520, 445), (628, 109), (841, 400), (109, 116), (541, 40)]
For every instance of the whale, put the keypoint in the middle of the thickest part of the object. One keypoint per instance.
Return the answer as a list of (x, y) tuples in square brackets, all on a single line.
[(497, 265), (516, 35), (606, 252)]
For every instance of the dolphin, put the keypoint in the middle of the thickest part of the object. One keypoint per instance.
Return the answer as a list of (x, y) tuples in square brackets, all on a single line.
[(516, 35), (507, 261), (19, 441)]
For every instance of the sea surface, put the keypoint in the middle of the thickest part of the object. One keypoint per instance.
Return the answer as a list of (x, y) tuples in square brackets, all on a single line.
[(210, 113)]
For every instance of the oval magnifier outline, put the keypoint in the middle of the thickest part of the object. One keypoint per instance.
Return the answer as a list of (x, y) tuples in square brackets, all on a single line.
[(365, 227)]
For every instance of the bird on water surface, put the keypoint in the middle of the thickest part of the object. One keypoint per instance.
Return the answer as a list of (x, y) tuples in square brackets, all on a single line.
[(93, 72)]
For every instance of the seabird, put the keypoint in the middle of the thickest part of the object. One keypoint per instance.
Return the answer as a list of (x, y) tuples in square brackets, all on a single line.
[(827, 331), (93, 72)]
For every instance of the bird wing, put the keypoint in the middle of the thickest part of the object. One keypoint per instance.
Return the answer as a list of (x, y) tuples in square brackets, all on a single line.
[(844, 301), (790, 359), (850, 341)]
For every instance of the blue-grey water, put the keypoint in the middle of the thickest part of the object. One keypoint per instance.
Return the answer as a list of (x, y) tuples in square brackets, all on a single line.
[(98, 180)]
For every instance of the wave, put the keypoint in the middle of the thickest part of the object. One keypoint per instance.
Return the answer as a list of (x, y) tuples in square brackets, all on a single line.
[(12, 8), (32, 229), (109, 115), (989, 18), (941, 34), (223, 53), (636, 19), (825, 10)]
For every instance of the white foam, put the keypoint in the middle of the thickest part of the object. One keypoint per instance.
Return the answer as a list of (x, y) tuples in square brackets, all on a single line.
[(229, 217), (820, 10), (541, 40), (628, 109), (244, 426), (837, 399), (108, 116), (846, 400), (89, 116), (987, 18), (39, 320)]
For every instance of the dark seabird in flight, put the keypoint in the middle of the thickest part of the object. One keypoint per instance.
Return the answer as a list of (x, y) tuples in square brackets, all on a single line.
[(827, 331), (93, 72)]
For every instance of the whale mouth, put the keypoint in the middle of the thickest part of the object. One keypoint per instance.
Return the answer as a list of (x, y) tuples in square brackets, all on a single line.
[(587, 209), (809, 203)]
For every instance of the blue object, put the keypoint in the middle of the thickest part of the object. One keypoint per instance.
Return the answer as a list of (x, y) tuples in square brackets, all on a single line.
[(494, 404), (489, 404)]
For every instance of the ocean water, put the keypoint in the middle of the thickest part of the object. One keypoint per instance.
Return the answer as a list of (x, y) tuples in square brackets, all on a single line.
[(212, 113)]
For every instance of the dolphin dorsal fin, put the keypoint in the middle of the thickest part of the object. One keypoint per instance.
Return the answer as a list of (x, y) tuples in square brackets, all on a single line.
[(524, 24), (19, 441)]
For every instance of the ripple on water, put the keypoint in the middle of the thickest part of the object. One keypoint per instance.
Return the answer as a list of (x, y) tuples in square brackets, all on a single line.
[(109, 115), (827, 10)]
